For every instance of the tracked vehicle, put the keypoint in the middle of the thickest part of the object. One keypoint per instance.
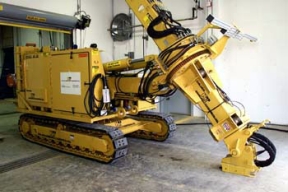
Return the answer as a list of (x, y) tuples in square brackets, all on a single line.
[(74, 102)]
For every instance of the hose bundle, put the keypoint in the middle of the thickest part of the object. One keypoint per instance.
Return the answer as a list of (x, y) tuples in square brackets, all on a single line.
[(267, 146)]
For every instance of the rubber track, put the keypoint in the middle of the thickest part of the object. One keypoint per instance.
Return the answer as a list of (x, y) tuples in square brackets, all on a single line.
[(27, 161), (148, 115), (117, 137)]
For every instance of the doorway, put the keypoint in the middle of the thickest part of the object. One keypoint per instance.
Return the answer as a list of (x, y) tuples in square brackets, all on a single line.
[(6, 60)]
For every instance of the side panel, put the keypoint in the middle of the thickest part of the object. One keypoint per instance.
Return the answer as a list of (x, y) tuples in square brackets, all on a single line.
[(37, 80), (69, 72)]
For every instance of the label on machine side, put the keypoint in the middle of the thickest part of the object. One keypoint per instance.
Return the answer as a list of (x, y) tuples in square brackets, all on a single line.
[(34, 18), (70, 83)]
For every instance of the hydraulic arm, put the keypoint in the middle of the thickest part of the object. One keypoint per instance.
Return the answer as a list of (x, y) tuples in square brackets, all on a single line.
[(185, 63)]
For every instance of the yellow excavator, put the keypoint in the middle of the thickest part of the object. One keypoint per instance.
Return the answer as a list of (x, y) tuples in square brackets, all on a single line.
[(73, 102)]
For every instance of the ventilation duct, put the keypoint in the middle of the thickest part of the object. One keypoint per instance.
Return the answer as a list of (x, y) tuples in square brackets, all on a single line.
[(18, 16)]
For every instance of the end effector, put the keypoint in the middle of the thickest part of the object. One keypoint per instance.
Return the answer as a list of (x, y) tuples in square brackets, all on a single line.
[(229, 30)]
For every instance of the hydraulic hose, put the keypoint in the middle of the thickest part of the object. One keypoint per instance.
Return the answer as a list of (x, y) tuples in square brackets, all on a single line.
[(268, 146)]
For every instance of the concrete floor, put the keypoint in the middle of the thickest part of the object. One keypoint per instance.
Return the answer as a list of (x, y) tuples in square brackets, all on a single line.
[(187, 162)]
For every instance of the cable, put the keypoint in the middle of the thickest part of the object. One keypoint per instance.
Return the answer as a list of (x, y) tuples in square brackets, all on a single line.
[(165, 55), (90, 99), (273, 124), (172, 26), (274, 129), (225, 97), (244, 109), (268, 146), (270, 128)]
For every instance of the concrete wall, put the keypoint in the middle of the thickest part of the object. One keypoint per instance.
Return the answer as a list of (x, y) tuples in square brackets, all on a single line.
[(99, 10), (256, 73)]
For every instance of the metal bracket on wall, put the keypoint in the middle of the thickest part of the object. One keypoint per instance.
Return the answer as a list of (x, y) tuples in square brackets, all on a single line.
[(145, 37), (196, 9), (130, 55)]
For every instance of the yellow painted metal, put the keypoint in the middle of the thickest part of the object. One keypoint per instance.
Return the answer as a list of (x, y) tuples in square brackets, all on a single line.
[(66, 137), (41, 82), (242, 165), (217, 48), (205, 28), (78, 68), (194, 75), (145, 13), (20, 74), (117, 65), (39, 85), (122, 84), (44, 78), (142, 63), (128, 64), (53, 86), (36, 83), (129, 125), (199, 84), (68, 115), (242, 155), (73, 138), (23, 103)]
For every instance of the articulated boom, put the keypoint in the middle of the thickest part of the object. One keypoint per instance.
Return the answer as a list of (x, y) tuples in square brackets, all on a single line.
[(186, 65)]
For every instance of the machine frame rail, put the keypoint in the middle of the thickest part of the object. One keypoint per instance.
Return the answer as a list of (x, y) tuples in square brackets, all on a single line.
[(120, 143), (154, 116)]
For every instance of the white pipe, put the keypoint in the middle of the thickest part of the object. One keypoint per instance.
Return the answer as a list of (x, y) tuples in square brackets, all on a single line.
[(113, 44)]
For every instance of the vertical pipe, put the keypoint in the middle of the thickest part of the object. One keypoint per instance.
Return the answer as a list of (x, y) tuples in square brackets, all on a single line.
[(75, 30), (79, 10), (113, 44), (134, 34), (143, 42)]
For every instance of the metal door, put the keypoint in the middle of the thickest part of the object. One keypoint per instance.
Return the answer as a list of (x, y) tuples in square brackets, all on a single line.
[(177, 104)]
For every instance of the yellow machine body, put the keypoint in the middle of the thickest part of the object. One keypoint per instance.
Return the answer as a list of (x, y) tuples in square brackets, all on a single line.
[(58, 85), (52, 89), (73, 102)]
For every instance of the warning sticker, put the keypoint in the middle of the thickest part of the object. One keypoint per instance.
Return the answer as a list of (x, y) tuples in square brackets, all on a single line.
[(70, 83), (34, 18), (226, 126), (114, 64), (82, 55)]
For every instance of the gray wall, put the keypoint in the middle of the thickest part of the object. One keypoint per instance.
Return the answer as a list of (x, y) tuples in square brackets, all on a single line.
[(256, 73)]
